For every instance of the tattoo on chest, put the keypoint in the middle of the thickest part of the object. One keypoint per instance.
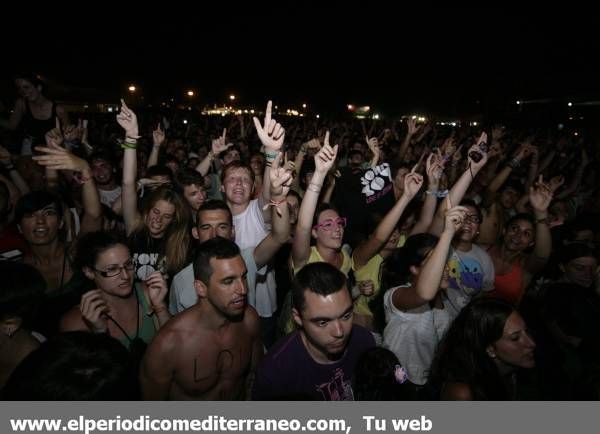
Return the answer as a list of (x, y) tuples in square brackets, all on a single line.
[(224, 363)]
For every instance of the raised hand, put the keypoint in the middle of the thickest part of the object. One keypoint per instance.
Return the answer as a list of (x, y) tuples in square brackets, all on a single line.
[(289, 165), (555, 183), (128, 121), (373, 144), (484, 155), (412, 183), (271, 134), (58, 158), (54, 137), (73, 133), (434, 168), (454, 218), (325, 158), (413, 128), (93, 309), (219, 145), (280, 179), (157, 289), (158, 136), (540, 196)]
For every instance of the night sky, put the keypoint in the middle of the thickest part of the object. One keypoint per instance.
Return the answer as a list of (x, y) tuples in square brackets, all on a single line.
[(450, 60)]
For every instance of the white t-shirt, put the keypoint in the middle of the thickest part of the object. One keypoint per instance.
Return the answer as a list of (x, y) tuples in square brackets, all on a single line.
[(108, 197), (250, 230), (413, 335)]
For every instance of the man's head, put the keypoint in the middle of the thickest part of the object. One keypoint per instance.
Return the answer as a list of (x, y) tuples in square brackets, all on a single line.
[(39, 216), (355, 158), (214, 219), (237, 181), (160, 173), (510, 194), (191, 186), (322, 306), (102, 168), (220, 277), (230, 155)]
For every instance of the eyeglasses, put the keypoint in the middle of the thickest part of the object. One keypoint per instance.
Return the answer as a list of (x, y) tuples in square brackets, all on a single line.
[(115, 270), (472, 218), (332, 224)]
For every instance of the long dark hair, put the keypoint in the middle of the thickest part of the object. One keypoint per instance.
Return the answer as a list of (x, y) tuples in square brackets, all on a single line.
[(395, 271), (462, 356)]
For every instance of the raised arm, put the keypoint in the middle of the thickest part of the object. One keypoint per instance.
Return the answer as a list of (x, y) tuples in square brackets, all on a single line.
[(365, 251), (128, 120), (271, 135), (373, 145), (158, 138), (324, 161), (540, 197), (218, 145), (58, 158), (279, 182), (428, 280), (412, 130), (435, 169), (458, 190)]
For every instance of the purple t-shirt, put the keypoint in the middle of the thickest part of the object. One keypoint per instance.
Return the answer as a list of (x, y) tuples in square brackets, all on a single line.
[(289, 372)]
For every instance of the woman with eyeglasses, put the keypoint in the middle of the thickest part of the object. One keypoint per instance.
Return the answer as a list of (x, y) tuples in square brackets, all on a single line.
[(116, 306), (321, 223)]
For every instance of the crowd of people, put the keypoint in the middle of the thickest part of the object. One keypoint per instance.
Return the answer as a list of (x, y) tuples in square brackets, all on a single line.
[(234, 257)]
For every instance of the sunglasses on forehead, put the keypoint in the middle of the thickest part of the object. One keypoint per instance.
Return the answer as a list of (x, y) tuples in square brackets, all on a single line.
[(331, 224)]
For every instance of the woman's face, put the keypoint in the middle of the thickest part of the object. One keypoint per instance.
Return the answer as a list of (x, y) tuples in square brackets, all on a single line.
[(329, 231), (581, 271), (519, 235), (113, 271), (27, 89), (159, 218), (515, 348)]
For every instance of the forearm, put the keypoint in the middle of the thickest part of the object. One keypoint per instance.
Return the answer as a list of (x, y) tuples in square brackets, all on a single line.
[(404, 146), (427, 213), (499, 180), (280, 220), (90, 196), (129, 193), (204, 166), (543, 237), (18, 181), (153, 158), (428, 281)]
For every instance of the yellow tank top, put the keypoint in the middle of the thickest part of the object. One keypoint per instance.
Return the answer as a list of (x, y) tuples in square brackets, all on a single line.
[(370, 271)]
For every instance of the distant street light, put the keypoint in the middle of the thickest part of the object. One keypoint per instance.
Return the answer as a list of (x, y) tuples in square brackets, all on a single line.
[(304, 106), (131, 88), (232, 97), (190, 93)]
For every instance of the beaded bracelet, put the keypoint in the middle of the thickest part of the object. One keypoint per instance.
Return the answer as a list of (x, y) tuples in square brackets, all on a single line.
[(276, 204)]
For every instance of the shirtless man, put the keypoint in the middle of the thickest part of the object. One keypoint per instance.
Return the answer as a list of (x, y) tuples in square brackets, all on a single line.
[(209, 351)]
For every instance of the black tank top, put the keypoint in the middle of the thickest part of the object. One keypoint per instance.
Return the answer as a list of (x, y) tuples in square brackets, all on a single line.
[(36, 129)]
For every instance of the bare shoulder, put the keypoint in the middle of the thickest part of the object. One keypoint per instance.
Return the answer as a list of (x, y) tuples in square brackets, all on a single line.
[(72, 321), (452, 391), (252, 320)]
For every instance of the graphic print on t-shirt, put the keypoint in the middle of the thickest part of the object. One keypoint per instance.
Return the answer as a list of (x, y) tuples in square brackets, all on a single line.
[(337, 389), (466, 274)]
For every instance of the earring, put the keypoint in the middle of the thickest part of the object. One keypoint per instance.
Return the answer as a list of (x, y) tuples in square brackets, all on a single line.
[(491, 354), (10, 332)]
